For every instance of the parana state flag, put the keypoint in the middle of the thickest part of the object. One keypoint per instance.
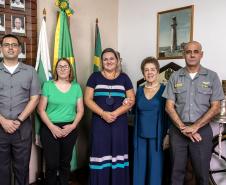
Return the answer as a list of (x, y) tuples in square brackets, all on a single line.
[(63, 45), (43, 69), (63, 49), (98, 49)]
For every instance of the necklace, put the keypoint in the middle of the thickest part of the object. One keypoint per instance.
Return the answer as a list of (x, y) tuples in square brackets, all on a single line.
[(109, 99), (109, 78), (151, 87)]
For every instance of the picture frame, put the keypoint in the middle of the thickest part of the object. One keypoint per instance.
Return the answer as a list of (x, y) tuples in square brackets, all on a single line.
[(174, 30), (1, 56), (22, 54), (18, 26), (2, 3), (17, 4), (2, 23)]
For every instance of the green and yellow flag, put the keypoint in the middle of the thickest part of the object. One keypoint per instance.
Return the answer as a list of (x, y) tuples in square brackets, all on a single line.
[(63, 45), (63, 49), (98, 49)]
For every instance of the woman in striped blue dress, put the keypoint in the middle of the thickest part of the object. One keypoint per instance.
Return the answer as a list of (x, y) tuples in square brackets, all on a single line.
[(104, 95)]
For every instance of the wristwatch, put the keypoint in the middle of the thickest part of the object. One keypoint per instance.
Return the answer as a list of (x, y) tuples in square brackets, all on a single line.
[(18, 119)]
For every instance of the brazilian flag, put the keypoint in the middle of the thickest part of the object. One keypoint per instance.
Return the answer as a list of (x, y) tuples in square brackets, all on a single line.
[(63, 49), (63, 45), (98, 49)]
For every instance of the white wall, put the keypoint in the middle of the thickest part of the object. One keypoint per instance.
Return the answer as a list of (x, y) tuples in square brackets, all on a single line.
[(138, 26)]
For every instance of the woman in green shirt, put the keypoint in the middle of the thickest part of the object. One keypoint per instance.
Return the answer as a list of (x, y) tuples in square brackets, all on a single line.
[(60, 108)]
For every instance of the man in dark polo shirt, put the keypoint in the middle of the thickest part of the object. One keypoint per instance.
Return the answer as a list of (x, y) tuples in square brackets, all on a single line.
[(193, 98), (19, 95)]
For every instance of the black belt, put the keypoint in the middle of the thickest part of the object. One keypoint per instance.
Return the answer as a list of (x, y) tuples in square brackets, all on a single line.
[(188, 123)]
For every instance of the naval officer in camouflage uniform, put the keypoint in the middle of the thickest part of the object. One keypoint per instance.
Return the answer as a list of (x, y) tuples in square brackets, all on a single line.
[(193, 98)]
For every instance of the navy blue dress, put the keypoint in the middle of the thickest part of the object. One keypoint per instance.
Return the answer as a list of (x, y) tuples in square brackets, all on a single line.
[(150, 127), (109, 142)]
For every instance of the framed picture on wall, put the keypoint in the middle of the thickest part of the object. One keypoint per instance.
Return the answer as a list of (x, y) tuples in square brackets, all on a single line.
[(22, 54), (1, 56), (174, 30), (17, 4), (18, 24), (2, 3), (2, 23)]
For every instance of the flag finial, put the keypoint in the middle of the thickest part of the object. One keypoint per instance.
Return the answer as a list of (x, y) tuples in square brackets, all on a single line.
[(64, 6), (44, 14)]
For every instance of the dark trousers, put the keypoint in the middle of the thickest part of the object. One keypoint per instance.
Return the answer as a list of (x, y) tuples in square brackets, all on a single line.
[(16, 152), (199, 153), (57, 153)]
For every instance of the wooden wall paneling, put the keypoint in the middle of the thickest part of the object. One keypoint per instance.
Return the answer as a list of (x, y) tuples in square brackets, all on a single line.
[(30, 36)]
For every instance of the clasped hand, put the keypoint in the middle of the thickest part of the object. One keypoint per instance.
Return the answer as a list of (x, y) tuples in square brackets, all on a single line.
[(10, 126), (109, 117), (191, 131), (61, 132)]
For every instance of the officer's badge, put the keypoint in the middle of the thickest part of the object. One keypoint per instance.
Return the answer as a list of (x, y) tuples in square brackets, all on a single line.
[(205, 84)]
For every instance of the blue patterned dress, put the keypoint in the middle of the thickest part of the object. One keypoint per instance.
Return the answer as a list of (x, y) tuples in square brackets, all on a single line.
[(109, 142)]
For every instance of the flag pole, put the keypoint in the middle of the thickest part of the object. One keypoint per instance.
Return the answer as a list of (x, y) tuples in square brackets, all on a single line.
[(96, 31)]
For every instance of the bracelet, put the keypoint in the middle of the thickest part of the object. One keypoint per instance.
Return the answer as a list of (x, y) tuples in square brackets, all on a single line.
[(18, 119)]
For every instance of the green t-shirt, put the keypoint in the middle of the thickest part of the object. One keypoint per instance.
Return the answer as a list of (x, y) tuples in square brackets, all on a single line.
[(61, 107)]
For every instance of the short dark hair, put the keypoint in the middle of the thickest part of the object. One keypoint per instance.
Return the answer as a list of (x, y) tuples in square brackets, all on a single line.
[(11, 36), (150, 60), (71, 75)]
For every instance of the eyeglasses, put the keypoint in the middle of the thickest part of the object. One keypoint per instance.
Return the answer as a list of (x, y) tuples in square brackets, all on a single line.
[(188, 52), (66, 67), (8, 45)]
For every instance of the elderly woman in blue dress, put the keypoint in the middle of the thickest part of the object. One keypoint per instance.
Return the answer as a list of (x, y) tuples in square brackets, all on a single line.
[(150, 127)]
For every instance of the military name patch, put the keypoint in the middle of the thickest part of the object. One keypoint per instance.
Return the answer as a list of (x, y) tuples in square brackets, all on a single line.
[(178, 85)]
